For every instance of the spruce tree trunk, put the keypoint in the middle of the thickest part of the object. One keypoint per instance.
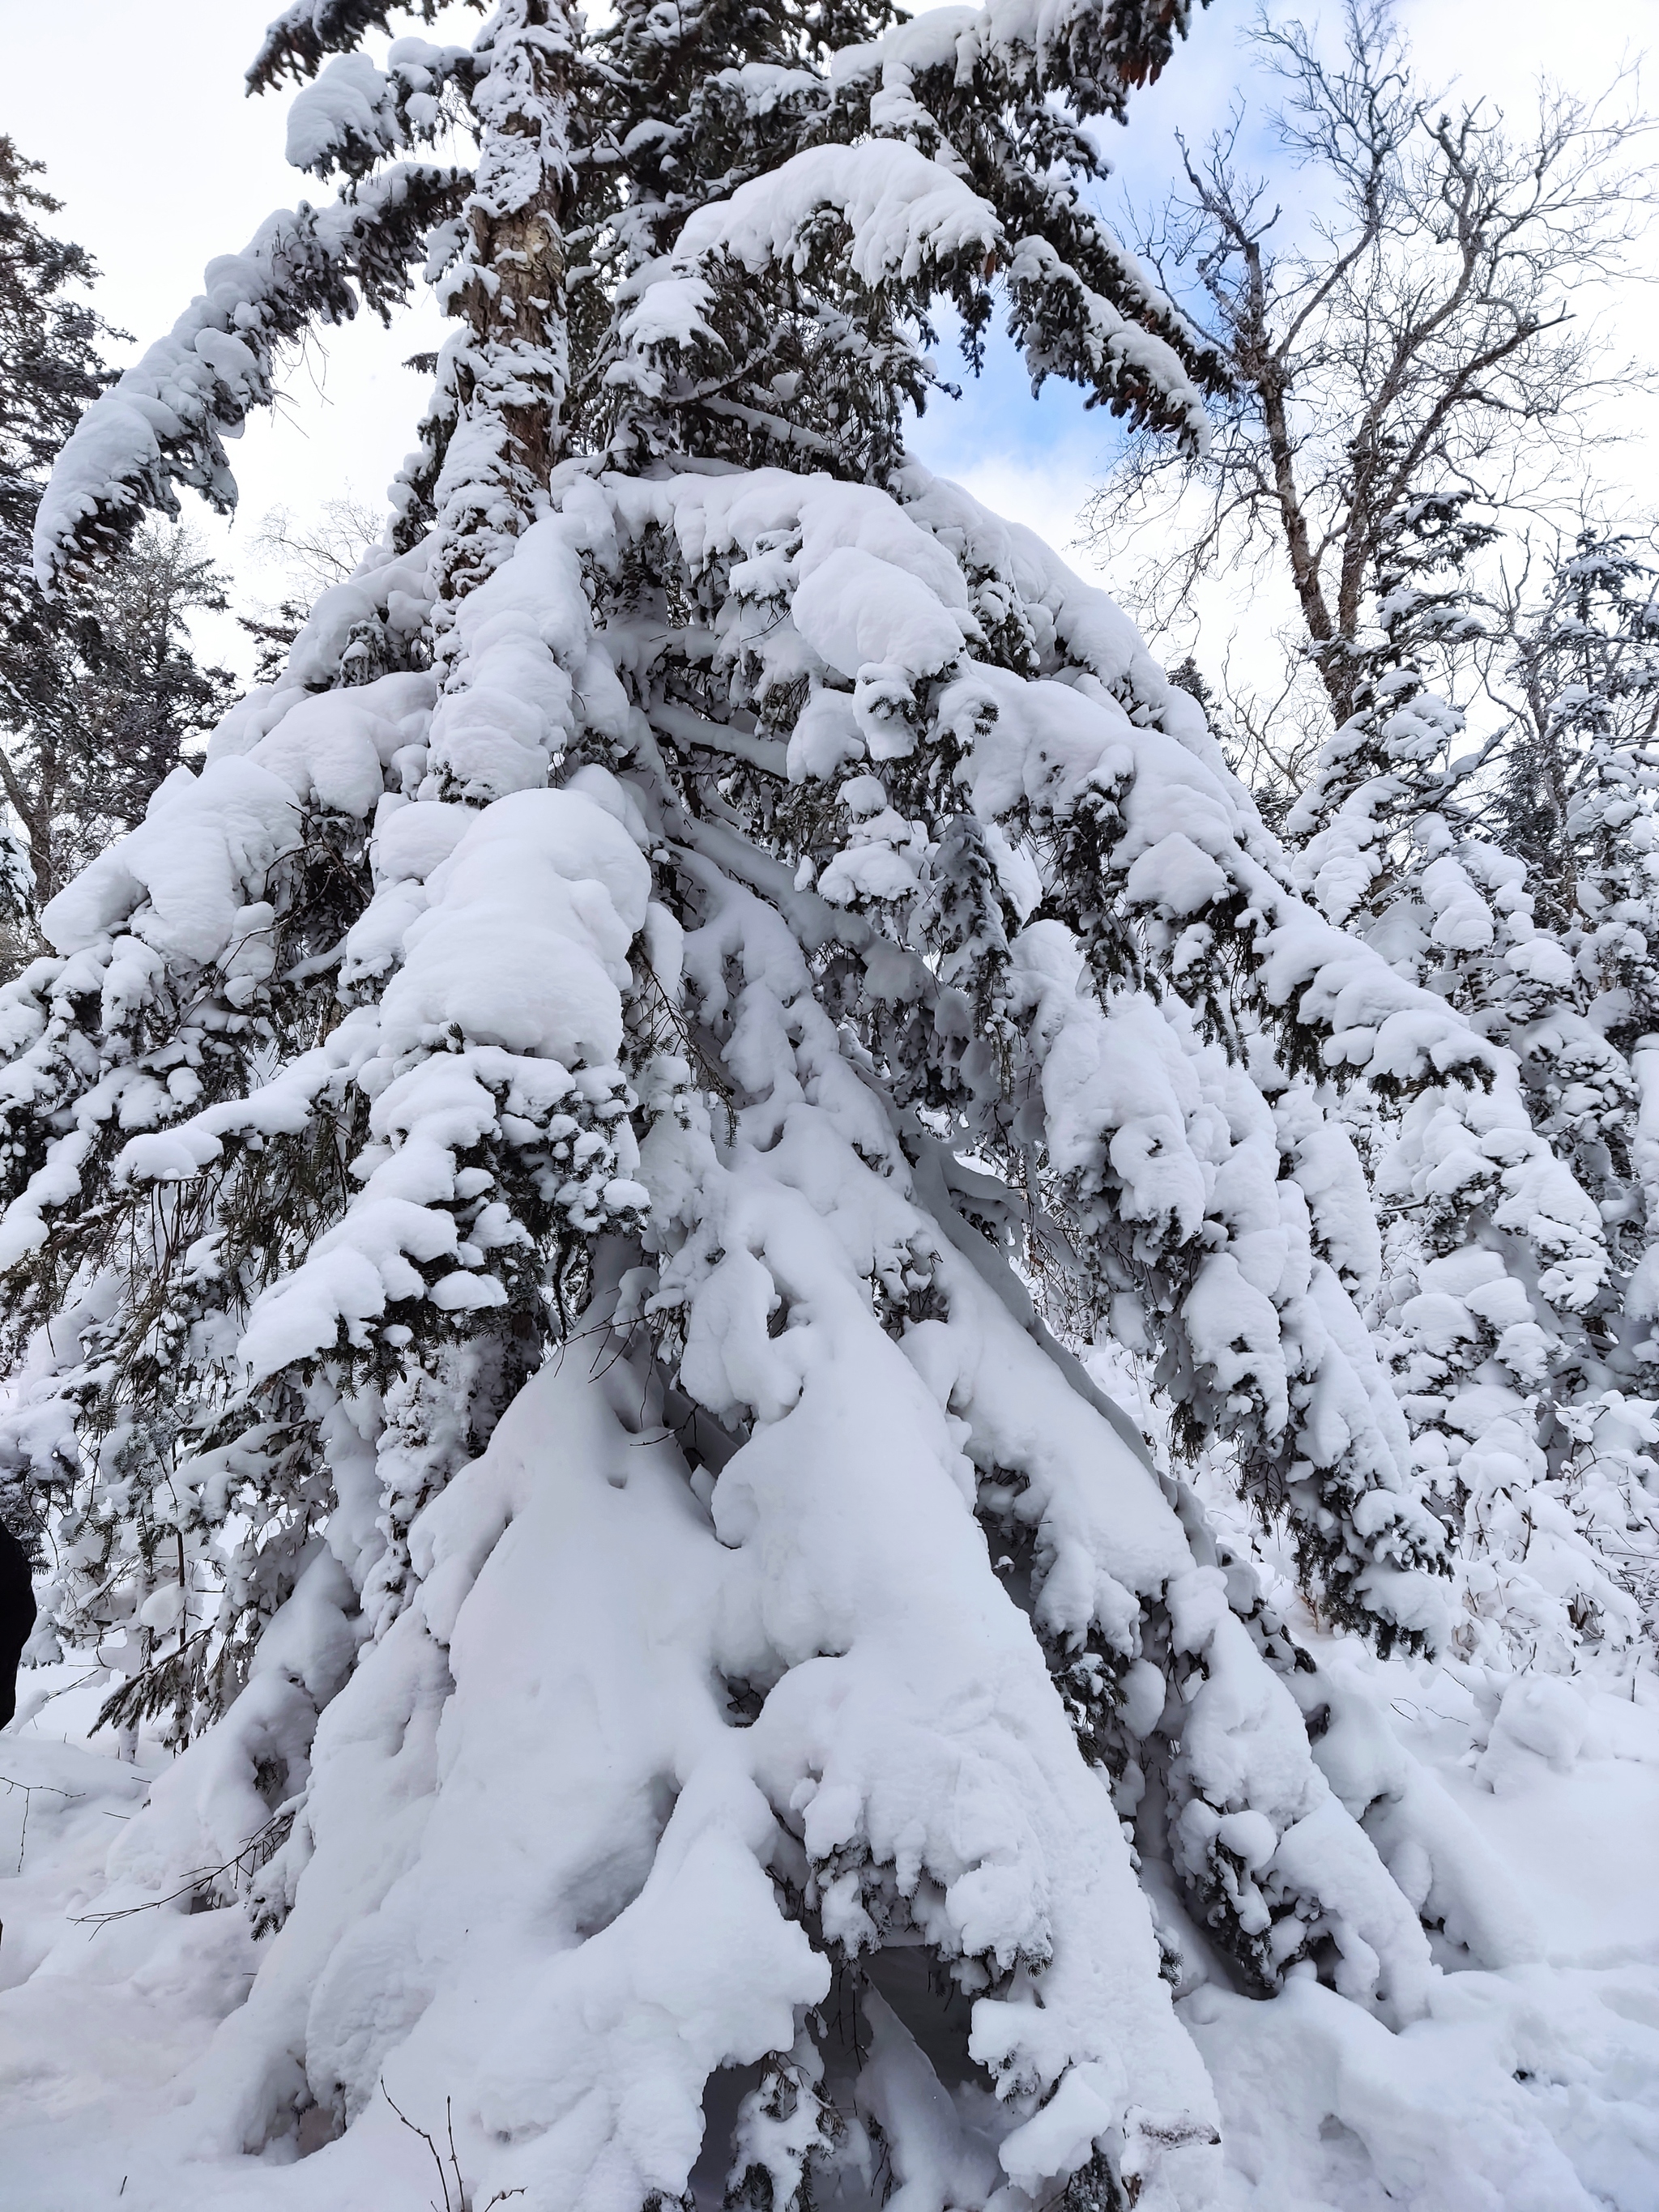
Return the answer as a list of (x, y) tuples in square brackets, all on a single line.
[(510, 378)]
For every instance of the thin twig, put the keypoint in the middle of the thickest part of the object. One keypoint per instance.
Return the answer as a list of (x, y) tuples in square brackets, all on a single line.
[(443, 2179), (28, 1790), (262, 1846)]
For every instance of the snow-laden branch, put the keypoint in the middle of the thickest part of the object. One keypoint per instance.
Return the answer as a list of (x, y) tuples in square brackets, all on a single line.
[(297, 40), (355, 114), (1095, 51), (161, 423)]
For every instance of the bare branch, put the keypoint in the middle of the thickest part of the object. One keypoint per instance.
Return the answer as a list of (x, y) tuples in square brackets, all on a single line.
[(1432, 327)]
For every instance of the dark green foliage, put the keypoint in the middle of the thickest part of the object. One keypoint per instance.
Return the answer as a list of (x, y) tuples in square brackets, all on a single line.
[(99, 686), (303, 37)]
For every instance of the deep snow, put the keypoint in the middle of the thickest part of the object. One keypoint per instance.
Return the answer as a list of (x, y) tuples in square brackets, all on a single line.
[(1531, 2089)]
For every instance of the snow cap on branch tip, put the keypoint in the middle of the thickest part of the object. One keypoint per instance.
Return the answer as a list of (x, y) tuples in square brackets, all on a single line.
[(1093, 51), (505, 1014), (296, 42)]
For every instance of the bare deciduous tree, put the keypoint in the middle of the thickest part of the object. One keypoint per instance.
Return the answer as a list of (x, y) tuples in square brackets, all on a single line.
[(324, 551), (311, 554), (1426, 335)]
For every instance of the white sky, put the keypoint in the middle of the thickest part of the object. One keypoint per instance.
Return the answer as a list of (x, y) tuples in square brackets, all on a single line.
[(137, 107)]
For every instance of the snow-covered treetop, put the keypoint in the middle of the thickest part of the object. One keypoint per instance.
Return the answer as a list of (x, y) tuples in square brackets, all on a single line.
[(920, 161)]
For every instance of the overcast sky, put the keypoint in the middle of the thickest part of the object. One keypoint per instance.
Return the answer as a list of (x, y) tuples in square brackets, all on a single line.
[(137, 109)]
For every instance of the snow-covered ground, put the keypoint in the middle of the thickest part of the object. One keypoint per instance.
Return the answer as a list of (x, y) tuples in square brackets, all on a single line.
[(1535, 2090)]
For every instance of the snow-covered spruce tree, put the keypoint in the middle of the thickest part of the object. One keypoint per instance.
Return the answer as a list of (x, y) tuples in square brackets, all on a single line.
[(677, 937), (49, 369), (98, 685), (1577, 812), (1511, 1257)]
